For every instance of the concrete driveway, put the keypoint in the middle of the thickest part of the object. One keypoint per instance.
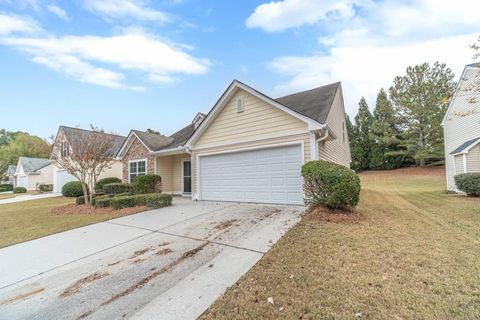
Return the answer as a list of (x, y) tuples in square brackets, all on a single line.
[(171, 263), (28, 197)]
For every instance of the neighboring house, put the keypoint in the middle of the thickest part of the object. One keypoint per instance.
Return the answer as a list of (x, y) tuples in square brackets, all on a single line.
[(10, 175), (248, 148), (461, 126), (62, 147), (30, 173)]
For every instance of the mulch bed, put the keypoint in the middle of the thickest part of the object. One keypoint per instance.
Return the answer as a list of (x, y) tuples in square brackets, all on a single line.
[(73, 209), (351, 216)]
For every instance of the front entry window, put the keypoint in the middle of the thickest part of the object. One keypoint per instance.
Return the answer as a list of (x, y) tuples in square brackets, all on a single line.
[(187, 176), (137, 168)]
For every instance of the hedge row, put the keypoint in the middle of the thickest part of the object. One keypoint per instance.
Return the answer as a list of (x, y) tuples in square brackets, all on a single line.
[(117, 188), (468, 183), (6, 187), (151, 200), (100, 183), (45, 187), (19, 190)]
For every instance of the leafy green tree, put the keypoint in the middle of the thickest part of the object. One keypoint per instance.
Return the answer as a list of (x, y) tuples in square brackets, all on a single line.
[(362, 137), (352, 138), (386, 151), (420, 100), (476, 48), (7, 136), (23, 145), (153, 131)]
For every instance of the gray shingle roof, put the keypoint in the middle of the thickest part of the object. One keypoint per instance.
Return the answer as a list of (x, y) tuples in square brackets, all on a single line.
[(11, 170), (152, 140), (465, 145), (33, 164), (181, 136), (77, 133), (314, 103)]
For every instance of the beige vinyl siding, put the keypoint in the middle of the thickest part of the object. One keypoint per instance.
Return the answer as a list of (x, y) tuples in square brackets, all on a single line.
[(473, 159), (115, 170), (301, 138), (171, 170), (337, 150), (459, 164), (258, 121), (45, 176), (462, 122)]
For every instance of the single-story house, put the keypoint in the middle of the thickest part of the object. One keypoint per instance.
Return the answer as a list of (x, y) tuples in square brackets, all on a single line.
[(247, 148), (64, 146), (10, 174), (461, 126), (30, 173)]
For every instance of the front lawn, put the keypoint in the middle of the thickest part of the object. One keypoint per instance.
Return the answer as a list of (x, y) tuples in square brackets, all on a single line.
[(13, 195), (415, 255), (32, 219)]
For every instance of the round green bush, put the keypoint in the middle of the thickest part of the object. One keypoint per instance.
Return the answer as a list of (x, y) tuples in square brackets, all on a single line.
[(100, 183), (7, 186), (3, 189), (19, 190), (72, 189), (330, 185), (468, 183), (149, 183)]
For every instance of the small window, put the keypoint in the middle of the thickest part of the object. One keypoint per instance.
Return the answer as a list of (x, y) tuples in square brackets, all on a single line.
[(65, 149), (239, 105), (137, 168)]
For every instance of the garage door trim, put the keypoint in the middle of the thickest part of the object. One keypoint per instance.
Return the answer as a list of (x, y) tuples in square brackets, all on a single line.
[(237, 150)]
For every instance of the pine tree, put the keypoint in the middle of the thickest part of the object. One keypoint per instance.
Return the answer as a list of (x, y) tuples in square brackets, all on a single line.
[(362, 139)]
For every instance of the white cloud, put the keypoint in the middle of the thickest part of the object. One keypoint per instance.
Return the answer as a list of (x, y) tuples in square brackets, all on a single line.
[(281, 15), (368, 44), (17, 24), (59, 12), (118, 9), (79, 56)]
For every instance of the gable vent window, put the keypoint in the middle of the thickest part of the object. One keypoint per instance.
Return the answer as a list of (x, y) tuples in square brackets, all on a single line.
[(65, 149), (239, 104)]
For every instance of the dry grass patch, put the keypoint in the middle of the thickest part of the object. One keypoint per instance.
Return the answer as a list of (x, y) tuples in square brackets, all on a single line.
[(412, 255)]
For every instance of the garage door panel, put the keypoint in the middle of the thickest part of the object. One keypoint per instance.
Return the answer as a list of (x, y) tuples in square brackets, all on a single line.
[(269, 175)]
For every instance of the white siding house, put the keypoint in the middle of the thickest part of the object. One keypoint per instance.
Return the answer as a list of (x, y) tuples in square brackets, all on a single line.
[(461, 126)]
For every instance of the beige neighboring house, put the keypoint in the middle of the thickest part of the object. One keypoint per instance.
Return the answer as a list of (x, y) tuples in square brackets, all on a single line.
[(248, 148), (62, 147), (461, 127), (30, 173)]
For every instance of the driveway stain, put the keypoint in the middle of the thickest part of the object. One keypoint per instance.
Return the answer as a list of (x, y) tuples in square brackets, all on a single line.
[(22, 296), (163, 252), (77, 286), (225, 224)]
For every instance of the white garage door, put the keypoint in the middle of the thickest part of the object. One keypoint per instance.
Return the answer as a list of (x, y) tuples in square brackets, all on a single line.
[(22, 181), (270, 175), (62, 178)]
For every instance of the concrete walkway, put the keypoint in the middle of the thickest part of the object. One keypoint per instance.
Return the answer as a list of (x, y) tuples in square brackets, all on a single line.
[(170, 263), (27, 197)]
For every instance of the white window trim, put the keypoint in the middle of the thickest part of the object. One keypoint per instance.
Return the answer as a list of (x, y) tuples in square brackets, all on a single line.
[(241, 108), (137, 160), (191, 177), (465, 163)]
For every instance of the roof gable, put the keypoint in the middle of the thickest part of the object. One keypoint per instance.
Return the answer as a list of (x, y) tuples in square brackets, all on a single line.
[(30, 165), (229, 93), (466, 146)]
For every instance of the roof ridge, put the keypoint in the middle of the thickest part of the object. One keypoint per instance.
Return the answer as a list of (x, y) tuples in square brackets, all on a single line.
[(75, 128)]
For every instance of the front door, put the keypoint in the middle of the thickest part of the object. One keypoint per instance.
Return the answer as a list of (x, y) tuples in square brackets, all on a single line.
[(187, 176)]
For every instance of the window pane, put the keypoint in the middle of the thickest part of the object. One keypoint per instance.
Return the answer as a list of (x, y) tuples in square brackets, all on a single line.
[(132, 177), (133, 167), (141, 167)]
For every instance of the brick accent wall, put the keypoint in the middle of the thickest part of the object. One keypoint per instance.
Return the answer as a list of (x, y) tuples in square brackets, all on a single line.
[(137, 151)]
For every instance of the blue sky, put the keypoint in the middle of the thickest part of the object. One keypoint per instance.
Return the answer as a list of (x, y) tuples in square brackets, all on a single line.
[(123, 64)]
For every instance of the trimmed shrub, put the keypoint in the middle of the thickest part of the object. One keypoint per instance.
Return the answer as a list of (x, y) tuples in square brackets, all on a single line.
[(45, 187), (19, 190), (468, 183), (6, 186), (330, 185), (103, 203), (117, 188), (150, 183), (100, 183), (156, 200), (125, 202), (3, 189), (72, 189)]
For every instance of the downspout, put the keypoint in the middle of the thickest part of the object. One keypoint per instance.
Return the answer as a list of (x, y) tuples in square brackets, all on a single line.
[(322, 138)]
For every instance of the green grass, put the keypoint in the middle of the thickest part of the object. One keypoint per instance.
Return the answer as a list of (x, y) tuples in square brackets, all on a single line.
[(32, 219), (415, 256)]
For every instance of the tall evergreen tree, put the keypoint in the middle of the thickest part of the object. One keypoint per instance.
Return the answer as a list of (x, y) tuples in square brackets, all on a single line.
[(420, 98), (362, 140), (386, 152)]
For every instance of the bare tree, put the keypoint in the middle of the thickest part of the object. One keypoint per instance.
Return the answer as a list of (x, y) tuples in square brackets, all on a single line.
[(86, 156)]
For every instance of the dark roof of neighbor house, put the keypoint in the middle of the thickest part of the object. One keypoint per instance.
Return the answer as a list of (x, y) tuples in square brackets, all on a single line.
[(181, 136), (153, 141), (314, 103), (75, 133), (11, 170), (33, 164), (465, 145)]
